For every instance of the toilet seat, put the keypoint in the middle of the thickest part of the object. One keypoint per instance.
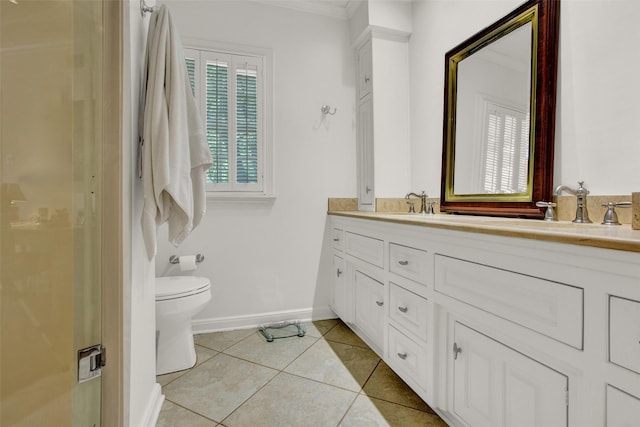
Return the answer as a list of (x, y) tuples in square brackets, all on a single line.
[(173, 287)]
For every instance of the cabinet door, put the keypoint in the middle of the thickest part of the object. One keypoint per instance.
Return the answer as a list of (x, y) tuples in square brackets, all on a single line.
[(495, 385), (369, 305), (341, 300), (365, 69), (623, 409), (365, 155), (624, 333)]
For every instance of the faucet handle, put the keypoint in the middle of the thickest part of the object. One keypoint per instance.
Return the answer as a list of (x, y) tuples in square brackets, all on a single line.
[(581, 189), (610, 216), (411, 208), (550, 213), (430, 210)]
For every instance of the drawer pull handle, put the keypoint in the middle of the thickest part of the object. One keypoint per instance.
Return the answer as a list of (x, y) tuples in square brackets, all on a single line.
[(403, 262), (380, 303), (403, 309), (456, 351), (402, 356), (338, 272), (335, 239)]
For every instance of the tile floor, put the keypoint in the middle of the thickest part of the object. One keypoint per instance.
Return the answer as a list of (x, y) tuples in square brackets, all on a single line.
[(328, 378)]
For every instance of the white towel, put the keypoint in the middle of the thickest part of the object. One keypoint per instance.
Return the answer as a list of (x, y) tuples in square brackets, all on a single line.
[(175, 155)]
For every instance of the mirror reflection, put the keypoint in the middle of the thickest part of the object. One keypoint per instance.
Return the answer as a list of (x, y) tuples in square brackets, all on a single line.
[(493, 116), (499, 115)]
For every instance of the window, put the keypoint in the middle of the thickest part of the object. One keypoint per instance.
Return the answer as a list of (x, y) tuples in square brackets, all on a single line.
[(231, 90)]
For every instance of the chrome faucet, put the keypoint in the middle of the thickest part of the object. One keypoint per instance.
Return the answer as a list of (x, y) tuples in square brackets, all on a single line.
[(582, 215), (423, 202)]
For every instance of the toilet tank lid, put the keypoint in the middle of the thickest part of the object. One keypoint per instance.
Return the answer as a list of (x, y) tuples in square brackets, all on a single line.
[(179, 285)]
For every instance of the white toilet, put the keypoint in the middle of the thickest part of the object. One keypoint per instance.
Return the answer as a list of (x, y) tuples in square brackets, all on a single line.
[(178, 299)]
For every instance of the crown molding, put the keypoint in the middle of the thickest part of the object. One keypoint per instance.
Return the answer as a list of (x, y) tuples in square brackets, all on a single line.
[(332, 9)]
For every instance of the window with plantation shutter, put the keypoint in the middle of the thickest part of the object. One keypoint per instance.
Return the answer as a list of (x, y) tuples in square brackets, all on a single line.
[(231, 90)]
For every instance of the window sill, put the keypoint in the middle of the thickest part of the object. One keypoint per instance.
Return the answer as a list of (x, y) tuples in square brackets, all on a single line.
[(241, 198)]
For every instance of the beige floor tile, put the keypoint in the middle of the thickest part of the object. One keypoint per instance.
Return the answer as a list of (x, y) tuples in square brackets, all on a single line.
[(221, 341), (173, 415), (276, 354), (342, 334), (202, 355), (290, 401), (337, 364), (387, 385), (370, 412), (218, 386), (318, 328)]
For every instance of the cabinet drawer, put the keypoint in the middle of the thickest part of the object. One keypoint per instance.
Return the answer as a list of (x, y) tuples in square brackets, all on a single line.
[(624, 333), (407, 357), (550, 308), (408, 262), (366, 248), (408, 310), (337, 236), (622, 408)]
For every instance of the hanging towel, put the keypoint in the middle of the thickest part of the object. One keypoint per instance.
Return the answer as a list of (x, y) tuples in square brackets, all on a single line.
[(175, 154)]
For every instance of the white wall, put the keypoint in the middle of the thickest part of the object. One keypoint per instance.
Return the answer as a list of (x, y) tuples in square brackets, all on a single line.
[(142, 394), (597, 136), (264, 259)]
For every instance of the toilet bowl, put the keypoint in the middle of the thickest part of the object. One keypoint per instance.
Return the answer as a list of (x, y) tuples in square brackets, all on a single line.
[(178, 299)]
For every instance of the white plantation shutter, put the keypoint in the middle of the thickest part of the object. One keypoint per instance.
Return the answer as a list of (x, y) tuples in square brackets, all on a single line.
[(506, 156), (247, 118), (191, 72), (229, 89), (217, 118)]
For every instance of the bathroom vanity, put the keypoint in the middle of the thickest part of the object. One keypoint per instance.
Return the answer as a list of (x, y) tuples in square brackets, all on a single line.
[(497, 321)]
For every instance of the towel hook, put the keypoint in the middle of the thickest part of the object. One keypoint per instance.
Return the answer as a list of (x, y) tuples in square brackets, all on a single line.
[(144, 8), (326, 109)]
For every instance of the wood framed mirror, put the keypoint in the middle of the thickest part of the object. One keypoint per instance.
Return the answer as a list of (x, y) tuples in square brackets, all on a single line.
[(499, 115)]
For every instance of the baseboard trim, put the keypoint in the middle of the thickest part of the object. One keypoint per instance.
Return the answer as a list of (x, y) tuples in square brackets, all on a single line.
[(155, 405), (201, 326)]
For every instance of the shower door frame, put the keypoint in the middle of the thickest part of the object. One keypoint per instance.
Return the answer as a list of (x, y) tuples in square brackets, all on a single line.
[(114, 239)]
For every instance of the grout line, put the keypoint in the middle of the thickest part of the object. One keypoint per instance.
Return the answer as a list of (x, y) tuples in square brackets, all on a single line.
[(192, 411)]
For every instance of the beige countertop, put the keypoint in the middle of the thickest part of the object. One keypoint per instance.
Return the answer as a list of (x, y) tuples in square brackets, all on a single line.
[(619, 237)]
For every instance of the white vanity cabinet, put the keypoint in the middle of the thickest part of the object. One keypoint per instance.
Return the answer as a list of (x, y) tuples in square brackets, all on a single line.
[(495, 330)]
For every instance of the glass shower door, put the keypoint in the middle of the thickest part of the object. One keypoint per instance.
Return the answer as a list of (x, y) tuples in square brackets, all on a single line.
[(50, 233)]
